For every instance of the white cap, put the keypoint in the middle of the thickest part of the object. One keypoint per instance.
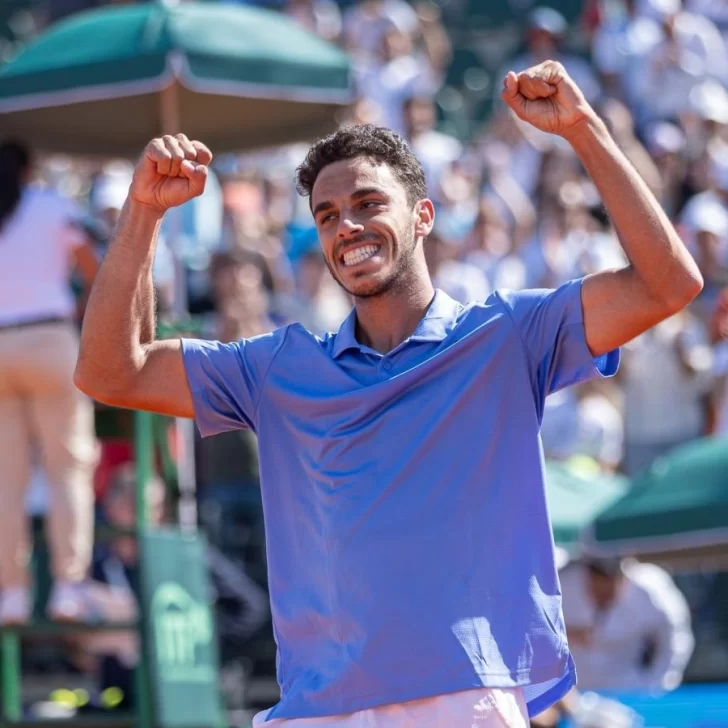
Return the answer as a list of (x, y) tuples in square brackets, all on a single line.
[(111, 189), (707, 215), (664, 137), (718, 164), (709, 101), (659, 9)]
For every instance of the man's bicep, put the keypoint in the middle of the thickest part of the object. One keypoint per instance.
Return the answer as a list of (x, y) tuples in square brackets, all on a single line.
[(161, 385), (617, 309)]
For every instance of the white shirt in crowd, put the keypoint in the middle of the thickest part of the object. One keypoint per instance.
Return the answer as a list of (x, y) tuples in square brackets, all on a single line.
[(652, 367), (589, 425), (699, 52), (36, 247), (650, 613), (720, 370), (366, 23)]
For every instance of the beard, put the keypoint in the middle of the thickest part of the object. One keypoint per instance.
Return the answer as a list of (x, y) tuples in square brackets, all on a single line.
[(389, 283)]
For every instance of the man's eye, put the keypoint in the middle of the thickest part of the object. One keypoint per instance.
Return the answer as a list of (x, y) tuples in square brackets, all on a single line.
[(369, 203), (328, 217)]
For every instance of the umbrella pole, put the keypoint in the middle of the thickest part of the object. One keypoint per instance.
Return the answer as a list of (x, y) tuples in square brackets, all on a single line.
[(185, 429)]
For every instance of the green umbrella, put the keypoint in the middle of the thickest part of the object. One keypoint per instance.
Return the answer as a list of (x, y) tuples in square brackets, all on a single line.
[(677, 505), (236, 77), (575, 501)]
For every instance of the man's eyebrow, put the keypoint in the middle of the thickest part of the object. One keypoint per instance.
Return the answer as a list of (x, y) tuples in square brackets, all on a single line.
[(325, 205), (365, 191), (358, 194)]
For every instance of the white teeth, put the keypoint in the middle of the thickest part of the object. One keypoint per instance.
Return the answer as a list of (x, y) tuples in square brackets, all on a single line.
[(353, 257)]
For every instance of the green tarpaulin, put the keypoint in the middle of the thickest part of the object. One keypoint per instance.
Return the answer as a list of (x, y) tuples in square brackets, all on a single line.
[(242, 77), (680, 503), (575, 501)]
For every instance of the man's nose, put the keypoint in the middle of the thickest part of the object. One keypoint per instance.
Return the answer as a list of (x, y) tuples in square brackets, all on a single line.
[(348, 227)]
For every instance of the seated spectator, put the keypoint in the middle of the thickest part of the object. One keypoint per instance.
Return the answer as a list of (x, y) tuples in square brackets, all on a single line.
[(240, 605), (628, 625), (621, 38), (545, 35), (584, 422), (459, 279), (718, 332), (436, 151), (673, 357), (667, 146), (689, 49), (318, 303), (397, 73), (323, 17), (367, 21)]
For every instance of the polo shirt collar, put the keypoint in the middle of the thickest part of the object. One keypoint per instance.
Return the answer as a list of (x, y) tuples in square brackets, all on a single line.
[(434, 326)]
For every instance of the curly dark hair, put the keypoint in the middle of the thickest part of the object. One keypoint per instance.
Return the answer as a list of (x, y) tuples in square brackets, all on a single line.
[(14, 162), (366, 140)]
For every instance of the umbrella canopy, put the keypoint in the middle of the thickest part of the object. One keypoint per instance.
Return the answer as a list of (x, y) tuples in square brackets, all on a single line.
[(575, 501), (679, 504), (235, 77)]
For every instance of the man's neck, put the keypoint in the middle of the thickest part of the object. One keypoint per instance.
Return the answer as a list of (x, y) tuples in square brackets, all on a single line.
[(384, 322)]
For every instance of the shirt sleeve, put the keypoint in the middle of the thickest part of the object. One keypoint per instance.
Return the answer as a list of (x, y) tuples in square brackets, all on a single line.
[(551, 326), (226, 380)]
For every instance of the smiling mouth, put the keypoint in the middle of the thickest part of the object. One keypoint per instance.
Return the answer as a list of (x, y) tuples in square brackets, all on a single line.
[(359, 255)]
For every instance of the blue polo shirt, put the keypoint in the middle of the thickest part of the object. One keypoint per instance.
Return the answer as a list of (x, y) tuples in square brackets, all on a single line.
[(409, 546)]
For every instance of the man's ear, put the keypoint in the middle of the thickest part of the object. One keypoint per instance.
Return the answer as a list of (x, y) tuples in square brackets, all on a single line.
[(425, 218)]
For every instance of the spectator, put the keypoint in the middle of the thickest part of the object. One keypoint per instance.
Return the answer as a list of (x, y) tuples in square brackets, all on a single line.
[(318, 302), (322, 17), (628, 625), (240, 604), (492, 249), (667, 146), (545, 35), (584, 422), (398, 72), (673, 357), (719, 336), (39, 404), (436, 151), (459, 279), (688, 50), (367, 21), (705, 220)]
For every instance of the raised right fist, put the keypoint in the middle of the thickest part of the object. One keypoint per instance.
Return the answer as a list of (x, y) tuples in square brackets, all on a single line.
[(172, 171)]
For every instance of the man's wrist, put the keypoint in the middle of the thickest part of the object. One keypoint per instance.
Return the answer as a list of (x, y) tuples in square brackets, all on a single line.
[(143, 211), (589, 129)]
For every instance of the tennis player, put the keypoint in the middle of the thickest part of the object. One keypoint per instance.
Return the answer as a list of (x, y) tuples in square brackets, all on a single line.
[(411, 563)]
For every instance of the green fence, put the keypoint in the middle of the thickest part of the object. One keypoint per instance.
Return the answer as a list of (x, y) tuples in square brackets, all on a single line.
[(177, 674)]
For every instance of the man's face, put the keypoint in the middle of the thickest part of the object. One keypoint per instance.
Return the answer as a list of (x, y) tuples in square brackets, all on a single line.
[(366, 225), (603, 588), (420, 115)]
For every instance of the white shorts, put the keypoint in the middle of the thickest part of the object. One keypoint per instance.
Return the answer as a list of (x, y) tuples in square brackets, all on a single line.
[(481, 708)]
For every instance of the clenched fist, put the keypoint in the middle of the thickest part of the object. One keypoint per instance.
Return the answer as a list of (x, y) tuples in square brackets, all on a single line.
[(172, 171), (546, 97)]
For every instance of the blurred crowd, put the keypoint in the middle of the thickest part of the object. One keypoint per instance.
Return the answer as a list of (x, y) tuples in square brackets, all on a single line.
[(514, 209)]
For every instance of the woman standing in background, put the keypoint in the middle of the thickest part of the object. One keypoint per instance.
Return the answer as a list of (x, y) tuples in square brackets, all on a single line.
[(40, 408)]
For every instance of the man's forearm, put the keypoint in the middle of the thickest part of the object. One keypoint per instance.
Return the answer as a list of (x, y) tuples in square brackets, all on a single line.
[(657, 255), (119, 317)]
